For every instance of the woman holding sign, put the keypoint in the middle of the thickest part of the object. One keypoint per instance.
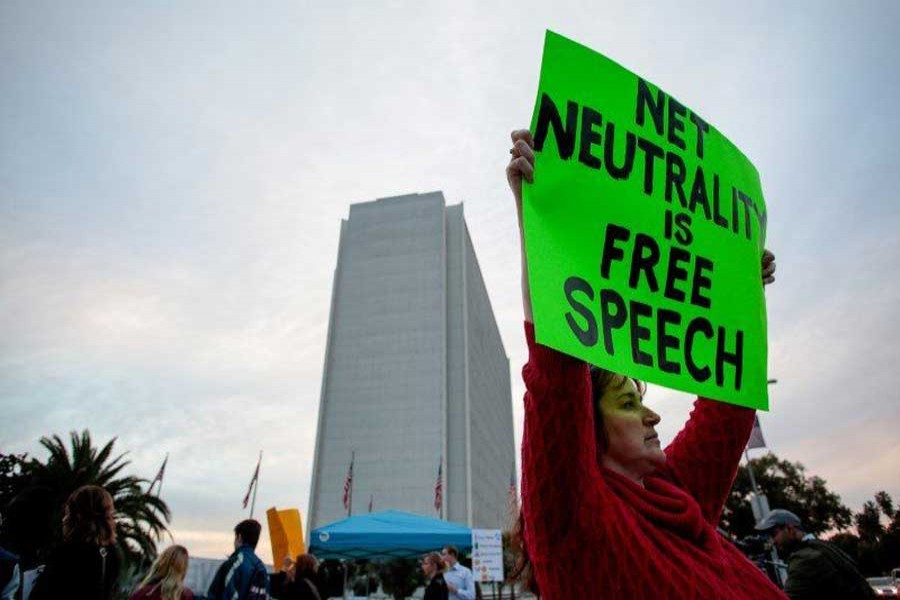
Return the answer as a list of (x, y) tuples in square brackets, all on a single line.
[(606, 512)]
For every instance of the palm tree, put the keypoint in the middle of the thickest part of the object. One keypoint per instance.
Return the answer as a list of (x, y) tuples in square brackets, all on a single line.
[(141, 518)]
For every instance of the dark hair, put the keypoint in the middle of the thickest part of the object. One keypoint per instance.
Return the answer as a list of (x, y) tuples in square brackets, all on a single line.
[(601, 379), (305, 566), (88, 516), (249, 530), (452, 551)]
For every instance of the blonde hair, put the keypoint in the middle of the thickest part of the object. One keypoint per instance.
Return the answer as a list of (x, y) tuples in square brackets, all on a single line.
[(167, 573)]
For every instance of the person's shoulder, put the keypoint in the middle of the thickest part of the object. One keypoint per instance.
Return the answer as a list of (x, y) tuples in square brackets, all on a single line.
[(806, 552), (807, 560), (809, 549), (249, 554), (141, 593), (258, 562), (187, 594)]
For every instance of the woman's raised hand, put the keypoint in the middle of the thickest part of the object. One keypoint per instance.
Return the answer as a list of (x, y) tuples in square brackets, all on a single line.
[(521, 162)]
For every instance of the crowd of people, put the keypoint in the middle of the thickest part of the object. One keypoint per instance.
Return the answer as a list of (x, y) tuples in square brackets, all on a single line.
[(87, 565)]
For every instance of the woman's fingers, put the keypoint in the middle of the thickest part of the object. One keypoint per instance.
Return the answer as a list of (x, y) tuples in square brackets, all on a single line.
[(524, 135), (768, 267), (521, 148), (520, 167)]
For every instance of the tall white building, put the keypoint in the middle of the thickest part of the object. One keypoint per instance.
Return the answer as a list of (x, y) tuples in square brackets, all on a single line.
[(415, 371)]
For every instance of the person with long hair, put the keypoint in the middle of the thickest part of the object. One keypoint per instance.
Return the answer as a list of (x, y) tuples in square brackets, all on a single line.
[(86, 564), (606, 512), (433, 567), (165, 580), (301, 584)]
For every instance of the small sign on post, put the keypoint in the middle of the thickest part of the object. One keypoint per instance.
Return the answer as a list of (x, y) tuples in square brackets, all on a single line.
[(487, 555), (644, 231)]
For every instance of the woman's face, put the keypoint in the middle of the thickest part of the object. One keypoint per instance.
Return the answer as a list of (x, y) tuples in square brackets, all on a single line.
[(427, 568), (632, 447)]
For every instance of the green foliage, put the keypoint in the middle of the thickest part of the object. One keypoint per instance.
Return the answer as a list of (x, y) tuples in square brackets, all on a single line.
[(885, 504), (32, 495), (400, 577), (363, 577), (868, 523), (786, 485), (876, 547)]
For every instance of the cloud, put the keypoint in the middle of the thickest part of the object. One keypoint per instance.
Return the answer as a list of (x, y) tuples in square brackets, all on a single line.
[(172, 183)]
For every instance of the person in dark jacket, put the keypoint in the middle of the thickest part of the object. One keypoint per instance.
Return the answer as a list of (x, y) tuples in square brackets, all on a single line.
[(86, 564), (302, 583), (243, 576), (433, 566), (816, 569)]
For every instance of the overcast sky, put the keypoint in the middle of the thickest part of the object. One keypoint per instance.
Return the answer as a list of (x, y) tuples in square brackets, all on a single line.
[(173, 175)]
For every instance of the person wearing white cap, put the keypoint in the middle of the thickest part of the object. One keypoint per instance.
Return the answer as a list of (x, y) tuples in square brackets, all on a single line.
[(816, 569)]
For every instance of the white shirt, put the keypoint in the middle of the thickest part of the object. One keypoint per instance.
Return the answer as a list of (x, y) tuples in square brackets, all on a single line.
[(461, 577)]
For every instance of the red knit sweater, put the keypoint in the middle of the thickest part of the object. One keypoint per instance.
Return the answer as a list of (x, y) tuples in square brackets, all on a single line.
[(592, 533)]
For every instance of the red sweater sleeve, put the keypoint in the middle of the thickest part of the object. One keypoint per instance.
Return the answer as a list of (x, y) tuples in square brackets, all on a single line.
[(704, 456), (559, 454)]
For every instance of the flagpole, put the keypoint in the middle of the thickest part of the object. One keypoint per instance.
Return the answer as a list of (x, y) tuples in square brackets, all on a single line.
[(352, 476), (159, 487), (750, 470), (255, 485)]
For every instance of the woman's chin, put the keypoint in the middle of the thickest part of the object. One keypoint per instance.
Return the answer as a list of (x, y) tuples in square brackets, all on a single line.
[(658, 457)]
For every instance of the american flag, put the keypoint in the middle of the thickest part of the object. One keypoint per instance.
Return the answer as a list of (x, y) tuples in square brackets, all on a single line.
[(159, 476), (756, 437), (439, 487), (348, 483), (253, 481)]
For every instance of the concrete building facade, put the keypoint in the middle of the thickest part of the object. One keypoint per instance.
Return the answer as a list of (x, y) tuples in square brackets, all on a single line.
[(415, 372)]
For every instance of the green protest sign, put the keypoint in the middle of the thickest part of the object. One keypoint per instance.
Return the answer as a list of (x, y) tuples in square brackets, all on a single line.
[(644, 231)]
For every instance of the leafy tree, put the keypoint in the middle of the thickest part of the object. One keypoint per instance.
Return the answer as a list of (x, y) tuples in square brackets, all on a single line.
[(885, 504), (847, 542), (878, 546), (868, 523), (400, 577), (786, 485), (36, 492)]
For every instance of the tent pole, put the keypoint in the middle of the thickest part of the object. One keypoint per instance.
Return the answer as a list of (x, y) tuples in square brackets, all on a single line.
[(345, 578)]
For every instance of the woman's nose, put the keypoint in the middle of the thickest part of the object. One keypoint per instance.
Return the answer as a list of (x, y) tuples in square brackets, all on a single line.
[(651, 418)]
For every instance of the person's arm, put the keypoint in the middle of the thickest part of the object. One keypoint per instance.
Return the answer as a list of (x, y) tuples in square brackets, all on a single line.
[(559, 453), (705, 455), (467, 591), (521, 167)]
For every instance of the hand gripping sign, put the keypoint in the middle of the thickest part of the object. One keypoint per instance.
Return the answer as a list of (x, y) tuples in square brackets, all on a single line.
[(644, 231)]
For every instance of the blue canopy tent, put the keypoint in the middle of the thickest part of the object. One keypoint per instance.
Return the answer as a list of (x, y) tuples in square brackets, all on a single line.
[(389, 534)]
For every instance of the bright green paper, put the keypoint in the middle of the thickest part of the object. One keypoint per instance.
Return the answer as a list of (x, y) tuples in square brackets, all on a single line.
[(625, 272)]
